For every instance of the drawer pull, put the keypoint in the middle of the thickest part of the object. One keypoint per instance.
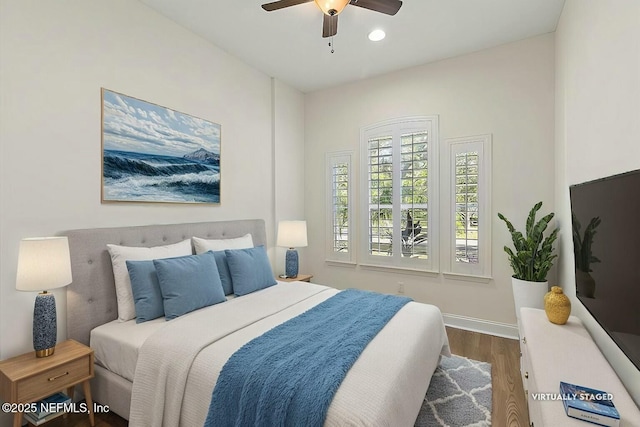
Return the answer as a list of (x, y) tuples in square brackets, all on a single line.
[(58, 376), (526, 375)]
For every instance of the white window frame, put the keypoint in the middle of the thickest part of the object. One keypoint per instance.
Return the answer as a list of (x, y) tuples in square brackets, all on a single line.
[(395, 128), (455, 146), (332, 159)]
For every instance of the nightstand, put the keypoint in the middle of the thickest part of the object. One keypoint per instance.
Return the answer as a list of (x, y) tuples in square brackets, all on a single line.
[(298, 278), (26, 378)]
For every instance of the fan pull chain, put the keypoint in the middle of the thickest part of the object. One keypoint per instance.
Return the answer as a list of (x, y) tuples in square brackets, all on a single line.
[(331, 44)]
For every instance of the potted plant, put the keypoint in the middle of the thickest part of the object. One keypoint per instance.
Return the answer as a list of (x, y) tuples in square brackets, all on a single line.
[(583, 256), (532, 259)]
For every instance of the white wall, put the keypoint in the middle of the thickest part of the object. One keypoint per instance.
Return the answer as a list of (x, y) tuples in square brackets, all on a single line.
[(55, 57), (597, 125), (507, 91), (289, 163)]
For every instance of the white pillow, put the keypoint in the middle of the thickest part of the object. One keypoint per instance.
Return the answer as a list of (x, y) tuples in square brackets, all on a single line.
[(119, 257), (204, 245)]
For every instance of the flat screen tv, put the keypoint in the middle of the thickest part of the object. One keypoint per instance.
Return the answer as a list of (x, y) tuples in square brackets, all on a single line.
[(606, 241)]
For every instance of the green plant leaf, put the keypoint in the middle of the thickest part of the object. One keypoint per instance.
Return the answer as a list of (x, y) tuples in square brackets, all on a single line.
[(533, 256)]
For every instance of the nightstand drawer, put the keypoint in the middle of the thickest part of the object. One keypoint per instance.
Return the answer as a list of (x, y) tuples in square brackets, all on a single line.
[(54, 380)]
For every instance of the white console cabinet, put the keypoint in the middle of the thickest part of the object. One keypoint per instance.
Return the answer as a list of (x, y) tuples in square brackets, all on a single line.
[(552, 353)]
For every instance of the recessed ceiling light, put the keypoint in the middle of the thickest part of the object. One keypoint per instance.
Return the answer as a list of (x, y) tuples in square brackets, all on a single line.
[(376, 35)]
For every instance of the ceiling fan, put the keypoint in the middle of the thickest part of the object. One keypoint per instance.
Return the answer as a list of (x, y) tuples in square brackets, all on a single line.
[(332, 8)]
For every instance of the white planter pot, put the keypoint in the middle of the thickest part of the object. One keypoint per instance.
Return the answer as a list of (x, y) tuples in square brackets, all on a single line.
[(528, 294)]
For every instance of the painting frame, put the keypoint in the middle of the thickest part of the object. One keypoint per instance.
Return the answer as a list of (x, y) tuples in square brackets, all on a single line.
[(155, 154)]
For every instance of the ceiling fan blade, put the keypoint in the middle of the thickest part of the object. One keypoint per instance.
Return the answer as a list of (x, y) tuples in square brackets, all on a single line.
[(389, 7), (269, 7), (329, 25)]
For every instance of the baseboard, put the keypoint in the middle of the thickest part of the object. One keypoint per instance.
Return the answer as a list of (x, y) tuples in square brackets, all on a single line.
[(497, 329)]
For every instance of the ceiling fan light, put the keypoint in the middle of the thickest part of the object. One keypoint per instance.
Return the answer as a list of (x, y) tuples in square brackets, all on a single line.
[(376, 35), (332, 7)]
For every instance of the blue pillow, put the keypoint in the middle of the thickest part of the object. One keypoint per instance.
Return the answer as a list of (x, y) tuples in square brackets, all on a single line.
[(146, 290), (250, 269), (225, 274), (188, 283)]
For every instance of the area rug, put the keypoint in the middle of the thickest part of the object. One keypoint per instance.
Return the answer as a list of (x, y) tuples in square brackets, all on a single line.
[(459, 395)]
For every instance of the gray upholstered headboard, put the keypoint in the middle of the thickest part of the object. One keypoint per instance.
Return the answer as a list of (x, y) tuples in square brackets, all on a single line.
[(91, 298)]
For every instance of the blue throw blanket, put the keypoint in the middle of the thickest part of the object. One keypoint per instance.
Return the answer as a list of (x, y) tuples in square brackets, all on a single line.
[(289, 375)]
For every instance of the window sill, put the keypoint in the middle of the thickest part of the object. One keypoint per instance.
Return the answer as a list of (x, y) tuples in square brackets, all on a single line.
[(467, 277), (395, 269)]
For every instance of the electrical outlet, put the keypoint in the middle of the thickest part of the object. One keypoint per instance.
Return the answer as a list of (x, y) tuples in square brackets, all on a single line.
[(401, 287)]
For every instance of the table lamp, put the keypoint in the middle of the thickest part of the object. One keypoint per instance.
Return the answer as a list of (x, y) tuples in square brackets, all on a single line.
[(44, 263), (292, 234)]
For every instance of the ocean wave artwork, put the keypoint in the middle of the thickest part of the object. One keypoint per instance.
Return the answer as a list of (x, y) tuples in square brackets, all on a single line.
[(154, 154)]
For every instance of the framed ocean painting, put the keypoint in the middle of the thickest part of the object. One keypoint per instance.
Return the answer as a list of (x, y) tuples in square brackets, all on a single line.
[(152, 153)]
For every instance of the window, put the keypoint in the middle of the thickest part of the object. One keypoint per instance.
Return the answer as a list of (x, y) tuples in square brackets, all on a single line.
[(469, 183), (466, 213), (399, 193), (340, 212)]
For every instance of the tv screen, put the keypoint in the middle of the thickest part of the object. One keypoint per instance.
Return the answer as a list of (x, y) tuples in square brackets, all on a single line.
[(606, 242)]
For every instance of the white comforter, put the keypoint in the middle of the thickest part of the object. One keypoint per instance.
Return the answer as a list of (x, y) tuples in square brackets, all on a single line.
[(178, 366)]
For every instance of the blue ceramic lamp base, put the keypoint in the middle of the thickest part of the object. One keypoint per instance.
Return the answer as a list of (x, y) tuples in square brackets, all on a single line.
[(291, 263), (44, 325)]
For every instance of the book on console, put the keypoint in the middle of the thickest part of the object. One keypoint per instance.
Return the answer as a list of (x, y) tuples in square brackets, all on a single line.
[(588, 404)]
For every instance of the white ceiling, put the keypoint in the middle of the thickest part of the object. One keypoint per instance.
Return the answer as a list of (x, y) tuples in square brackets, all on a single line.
[(288, 45)]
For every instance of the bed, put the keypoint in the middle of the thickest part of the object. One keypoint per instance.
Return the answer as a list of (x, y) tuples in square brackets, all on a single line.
[(385, 386)]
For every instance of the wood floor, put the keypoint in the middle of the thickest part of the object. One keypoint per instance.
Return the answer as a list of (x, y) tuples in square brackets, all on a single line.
[(509, 407), (509, 404)]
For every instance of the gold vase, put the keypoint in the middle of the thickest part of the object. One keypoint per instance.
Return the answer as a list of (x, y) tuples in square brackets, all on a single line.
[(557, 306)]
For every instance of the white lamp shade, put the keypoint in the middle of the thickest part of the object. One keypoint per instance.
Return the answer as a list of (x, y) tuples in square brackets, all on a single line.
[(292, 234), (43, 263)]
